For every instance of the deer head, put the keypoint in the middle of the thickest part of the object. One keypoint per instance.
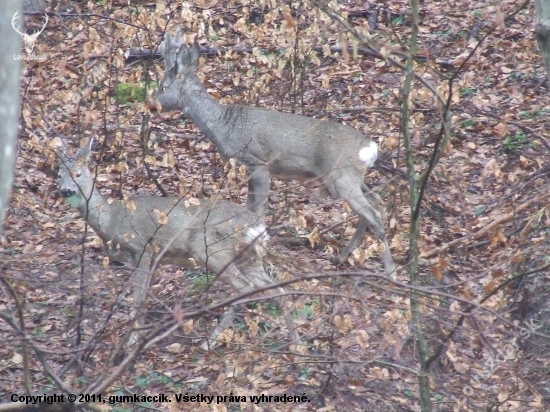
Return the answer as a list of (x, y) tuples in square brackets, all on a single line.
[(28, 39), (180, 66)]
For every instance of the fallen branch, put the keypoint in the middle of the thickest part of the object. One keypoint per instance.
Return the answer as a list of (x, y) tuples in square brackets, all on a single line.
[(483, 231)]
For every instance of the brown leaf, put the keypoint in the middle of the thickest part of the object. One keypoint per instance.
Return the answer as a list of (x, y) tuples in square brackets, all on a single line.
[(314, 237), (497, 273), (391, 142), (130, 205), (501, 130), (17, 358), (288, 24), (162, 218), (490, 286), (437, 272), (362, 339), (194, 201), (492, 167), (359, 255)]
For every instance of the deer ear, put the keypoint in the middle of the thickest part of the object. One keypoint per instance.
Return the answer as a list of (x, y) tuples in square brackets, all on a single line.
[(59, 146), (195, 54), (184, 58), (178, 41), (84, 151), (61, 143), (165, 44)]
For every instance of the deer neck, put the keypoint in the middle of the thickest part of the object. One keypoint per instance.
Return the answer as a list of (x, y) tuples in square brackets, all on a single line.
[(95, 210), (210, 116)]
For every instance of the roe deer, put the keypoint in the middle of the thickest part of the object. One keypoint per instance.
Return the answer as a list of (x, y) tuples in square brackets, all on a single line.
[(220, 235), (269, 142)]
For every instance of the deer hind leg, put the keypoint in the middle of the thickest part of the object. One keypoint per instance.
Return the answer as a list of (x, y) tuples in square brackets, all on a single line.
[(350, 191), (244, 278), (255, 273), (372, 197), (258, 190)]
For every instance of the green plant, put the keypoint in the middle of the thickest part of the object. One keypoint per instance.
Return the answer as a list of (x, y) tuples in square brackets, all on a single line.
[(525, 115), (80, 381), (197, 279), (152, 378), (304, 374), (213, 36), (515, 76), (467, 123), (307, 311), (397, 21), (480, 210), (514, 143), (466, 91)]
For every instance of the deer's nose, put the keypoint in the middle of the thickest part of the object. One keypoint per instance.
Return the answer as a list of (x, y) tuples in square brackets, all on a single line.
[(153, 105), (67, 192)]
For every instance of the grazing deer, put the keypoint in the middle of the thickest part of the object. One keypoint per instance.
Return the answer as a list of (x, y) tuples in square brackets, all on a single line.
[(220, 235), (269, 143)]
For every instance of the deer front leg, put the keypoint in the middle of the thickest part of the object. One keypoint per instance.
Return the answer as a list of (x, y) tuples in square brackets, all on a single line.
[(258, 190), (289, 320), (217, 265), (141, 281), (226, 321)]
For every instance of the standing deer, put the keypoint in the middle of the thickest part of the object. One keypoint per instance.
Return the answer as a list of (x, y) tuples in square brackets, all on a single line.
[(268, 142), (220, 235)]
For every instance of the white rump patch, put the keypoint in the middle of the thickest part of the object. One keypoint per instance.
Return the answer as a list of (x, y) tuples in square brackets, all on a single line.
[(257, 234), (368, 154)]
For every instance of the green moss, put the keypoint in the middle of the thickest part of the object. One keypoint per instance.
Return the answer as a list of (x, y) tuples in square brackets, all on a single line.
[(130, 92)]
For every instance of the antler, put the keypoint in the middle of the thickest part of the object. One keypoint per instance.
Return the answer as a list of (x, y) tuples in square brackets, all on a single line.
[(13, 21), (43, 27)]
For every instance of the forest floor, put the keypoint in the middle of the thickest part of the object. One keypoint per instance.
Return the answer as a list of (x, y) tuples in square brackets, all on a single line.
[(484, 218)]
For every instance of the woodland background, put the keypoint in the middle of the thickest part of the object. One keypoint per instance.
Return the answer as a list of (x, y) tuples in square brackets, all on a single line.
[(467, 323)]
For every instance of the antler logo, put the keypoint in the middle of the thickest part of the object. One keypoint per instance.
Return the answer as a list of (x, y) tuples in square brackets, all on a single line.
[(28, 39)]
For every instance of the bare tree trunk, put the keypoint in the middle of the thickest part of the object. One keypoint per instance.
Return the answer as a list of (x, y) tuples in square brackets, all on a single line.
[(10, 69), (542, 31), (415, 199)]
